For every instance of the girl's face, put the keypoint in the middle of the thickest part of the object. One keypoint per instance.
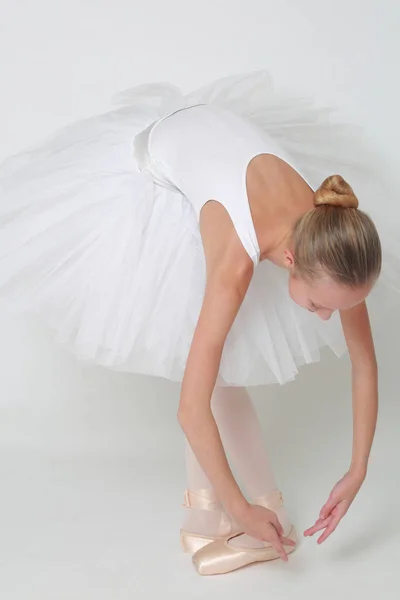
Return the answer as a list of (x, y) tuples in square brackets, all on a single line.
[(325, 296)]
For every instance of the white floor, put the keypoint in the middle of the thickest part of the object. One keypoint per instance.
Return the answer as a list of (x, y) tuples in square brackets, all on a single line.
[(92, 479), (107, 529)]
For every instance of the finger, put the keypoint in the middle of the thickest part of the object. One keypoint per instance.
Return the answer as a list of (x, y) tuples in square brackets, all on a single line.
[(275, 522), (320, 524), (287, 541), (330, 529), (277, 544), (327, 508)]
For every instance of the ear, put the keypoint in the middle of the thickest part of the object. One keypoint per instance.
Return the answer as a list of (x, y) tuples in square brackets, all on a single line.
[(288, 259)]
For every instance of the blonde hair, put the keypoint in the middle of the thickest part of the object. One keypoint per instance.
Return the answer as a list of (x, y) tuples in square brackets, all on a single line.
[(336, 238)]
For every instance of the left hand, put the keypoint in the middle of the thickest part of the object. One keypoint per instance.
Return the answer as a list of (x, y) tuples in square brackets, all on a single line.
[(338, 504)]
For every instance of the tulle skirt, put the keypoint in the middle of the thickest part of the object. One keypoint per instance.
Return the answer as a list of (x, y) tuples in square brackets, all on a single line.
[(113, 262)]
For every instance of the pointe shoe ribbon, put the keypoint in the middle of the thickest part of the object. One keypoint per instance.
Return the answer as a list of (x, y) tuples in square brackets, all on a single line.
[(204, 499), (273, 500)]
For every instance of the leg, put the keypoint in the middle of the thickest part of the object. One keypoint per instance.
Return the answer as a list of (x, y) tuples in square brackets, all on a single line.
[(203, 521), (242, 437)]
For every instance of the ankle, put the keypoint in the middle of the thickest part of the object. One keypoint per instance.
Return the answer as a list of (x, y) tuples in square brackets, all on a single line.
[(205, 514), (202, 499)]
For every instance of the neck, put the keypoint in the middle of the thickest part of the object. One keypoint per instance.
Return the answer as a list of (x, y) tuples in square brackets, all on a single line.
[(275, 251)]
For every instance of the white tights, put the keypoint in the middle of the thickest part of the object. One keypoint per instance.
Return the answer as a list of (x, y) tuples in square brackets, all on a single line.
[(241, 436)]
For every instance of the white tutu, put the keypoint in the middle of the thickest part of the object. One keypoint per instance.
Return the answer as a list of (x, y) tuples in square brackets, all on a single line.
[(113, 262)]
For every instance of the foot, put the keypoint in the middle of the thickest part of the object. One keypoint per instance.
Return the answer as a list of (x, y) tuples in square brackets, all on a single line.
[(222, 557), (235, 551), (206, 521)]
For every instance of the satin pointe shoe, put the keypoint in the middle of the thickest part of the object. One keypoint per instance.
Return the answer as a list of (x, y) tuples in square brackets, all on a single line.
[(221, 557), (204, 499)]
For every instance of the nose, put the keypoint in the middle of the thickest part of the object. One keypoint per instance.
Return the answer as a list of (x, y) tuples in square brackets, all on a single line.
[(325, 315)]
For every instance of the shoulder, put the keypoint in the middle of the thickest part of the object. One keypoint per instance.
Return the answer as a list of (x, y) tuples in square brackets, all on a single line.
[(219, 236), (223, 250)]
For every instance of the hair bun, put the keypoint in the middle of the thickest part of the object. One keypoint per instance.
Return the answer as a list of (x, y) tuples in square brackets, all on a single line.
[(336, 192)]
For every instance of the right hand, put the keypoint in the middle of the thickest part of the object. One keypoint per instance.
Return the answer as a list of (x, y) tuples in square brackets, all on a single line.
[(263, 524)]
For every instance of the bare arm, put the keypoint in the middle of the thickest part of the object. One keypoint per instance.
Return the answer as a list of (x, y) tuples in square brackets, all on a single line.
[(357, 331), (358, 336), (225, 291), (229, 272)]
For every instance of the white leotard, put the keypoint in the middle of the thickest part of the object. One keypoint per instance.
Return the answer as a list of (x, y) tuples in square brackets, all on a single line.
[(204, 152)]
